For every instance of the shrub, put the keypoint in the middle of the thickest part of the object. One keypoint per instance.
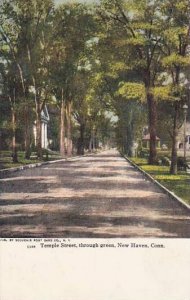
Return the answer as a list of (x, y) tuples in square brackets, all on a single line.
[(45, 153), (182, 164), (144, 153), (165, 161)]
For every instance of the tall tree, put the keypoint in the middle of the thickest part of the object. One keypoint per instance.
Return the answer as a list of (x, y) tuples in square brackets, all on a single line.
[(73, 27), (25, 28), (176, 41), (139, 29)]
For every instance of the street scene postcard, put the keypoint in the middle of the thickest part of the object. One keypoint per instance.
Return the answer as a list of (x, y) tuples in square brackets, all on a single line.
[(94, 149)]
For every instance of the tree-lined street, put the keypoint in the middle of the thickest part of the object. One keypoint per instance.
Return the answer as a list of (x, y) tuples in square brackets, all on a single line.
[(109, 72), (79, 77), (93, 196)]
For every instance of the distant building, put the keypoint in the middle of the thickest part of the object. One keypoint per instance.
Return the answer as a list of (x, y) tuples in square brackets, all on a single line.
[(44, 128), (146, 141), (180, 142)]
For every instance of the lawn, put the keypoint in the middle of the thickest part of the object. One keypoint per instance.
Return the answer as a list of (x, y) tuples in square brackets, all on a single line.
[(179, 184), (6, 159)]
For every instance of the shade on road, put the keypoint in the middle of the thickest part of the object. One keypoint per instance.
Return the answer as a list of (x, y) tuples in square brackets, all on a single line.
[(94, 196)]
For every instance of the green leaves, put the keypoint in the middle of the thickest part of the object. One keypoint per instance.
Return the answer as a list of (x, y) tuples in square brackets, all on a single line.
[(176, 60), (163, 93), (132, 90)]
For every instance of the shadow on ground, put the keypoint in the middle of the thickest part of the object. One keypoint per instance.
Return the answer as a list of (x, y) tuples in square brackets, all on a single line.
[(112, 217), (97, 196)]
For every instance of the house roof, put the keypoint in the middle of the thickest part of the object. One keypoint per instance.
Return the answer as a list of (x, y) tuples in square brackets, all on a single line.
[(147, 137)]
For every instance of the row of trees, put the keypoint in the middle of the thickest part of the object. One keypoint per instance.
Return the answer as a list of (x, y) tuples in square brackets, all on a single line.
[(150, 42), (47, 57), (127, 57)]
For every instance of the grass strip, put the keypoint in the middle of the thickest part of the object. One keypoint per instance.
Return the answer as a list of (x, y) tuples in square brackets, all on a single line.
[(178, 184)]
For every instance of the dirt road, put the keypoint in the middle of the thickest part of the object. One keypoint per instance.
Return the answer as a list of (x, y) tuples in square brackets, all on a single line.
[(95, 196)]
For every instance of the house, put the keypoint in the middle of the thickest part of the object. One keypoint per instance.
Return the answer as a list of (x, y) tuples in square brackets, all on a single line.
[(44, 128), (180, 142), (146, 141)]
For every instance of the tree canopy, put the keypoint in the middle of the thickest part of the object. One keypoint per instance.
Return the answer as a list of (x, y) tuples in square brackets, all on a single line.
[(100, 68)]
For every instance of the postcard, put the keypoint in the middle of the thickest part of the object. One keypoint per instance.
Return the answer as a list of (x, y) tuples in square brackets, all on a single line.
[(94, 150)]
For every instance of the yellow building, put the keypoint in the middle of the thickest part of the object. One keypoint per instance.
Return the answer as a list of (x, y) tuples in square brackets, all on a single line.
[(146, 141)]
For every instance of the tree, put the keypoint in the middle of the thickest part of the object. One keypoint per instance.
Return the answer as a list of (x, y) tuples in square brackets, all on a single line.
[(25, 29), (139, 28), (11, 69), (71, 35), (176, 59), (10, 95), (176, 37)]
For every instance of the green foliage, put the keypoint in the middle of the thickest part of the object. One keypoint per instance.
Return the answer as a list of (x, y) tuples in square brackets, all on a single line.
[(163, 93), (97, 57), (132, 90), (175, 59)]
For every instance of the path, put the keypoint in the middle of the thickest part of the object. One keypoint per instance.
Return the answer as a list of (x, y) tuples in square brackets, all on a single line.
[(95, 196)]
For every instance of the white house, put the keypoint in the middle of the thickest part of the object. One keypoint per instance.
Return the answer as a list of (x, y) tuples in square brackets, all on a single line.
[(44, 128), (181, 137)]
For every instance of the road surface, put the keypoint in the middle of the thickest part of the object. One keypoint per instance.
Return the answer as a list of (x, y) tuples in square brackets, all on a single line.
[(97, 196)]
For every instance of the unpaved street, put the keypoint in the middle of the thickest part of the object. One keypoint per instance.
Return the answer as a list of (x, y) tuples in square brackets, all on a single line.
[(94, 196)]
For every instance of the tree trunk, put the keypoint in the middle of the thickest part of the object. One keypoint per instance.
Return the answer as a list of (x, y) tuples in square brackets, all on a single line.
[(69, 137), (1, 148), (62, 127), (14, 146), (96, 140), (152, 113), (80, 149), (27, 134), (90, 144), (38, 133), (92, 141), (173, 168), (130, 140)]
